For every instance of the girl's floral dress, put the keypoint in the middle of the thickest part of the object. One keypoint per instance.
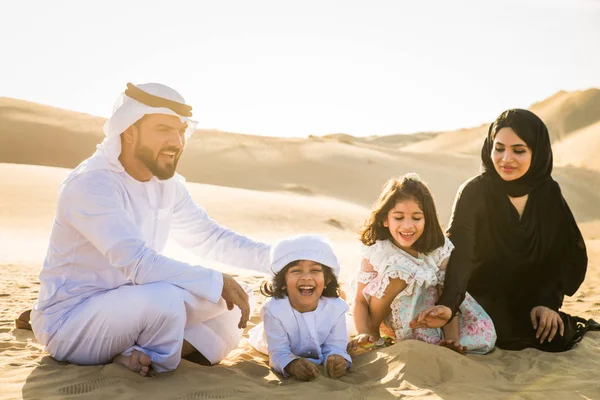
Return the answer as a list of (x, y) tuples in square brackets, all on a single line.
[(422, 274)]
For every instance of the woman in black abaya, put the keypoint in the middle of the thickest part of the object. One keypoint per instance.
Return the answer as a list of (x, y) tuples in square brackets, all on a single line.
[(518, 250)]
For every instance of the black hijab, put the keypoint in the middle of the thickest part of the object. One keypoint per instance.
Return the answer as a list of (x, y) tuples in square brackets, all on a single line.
[(531, 129), (545, 241)]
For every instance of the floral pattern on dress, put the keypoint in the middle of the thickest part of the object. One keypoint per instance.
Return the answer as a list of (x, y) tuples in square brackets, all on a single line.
[(422, 275)]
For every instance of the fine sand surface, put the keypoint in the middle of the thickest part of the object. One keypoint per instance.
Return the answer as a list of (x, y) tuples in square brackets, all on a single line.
[(268, 188)]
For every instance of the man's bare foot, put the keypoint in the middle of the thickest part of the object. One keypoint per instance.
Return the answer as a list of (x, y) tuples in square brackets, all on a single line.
[(453, 345), (136, 361)]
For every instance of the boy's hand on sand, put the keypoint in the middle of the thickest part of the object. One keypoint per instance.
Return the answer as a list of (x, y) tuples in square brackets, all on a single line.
[(234, 294), (360, 340), (453, 345), (433, 317), (302, 369), (336, 366)]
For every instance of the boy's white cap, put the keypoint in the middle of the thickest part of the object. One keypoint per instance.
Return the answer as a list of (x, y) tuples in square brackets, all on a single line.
[(303, 247)]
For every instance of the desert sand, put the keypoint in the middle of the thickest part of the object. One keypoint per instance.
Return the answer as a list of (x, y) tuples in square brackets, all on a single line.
[(266, 188)]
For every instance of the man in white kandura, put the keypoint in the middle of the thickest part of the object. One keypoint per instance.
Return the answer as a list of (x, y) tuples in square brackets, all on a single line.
[(107, 294)]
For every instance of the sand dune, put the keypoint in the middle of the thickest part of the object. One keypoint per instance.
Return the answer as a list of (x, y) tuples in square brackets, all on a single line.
[(351, 172), (271, 187), (401, 140), (388, 141), (565, 114), (32, 133), (581, 148), (462, 141)]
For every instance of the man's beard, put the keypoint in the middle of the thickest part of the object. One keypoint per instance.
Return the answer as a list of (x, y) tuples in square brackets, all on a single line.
[(145, 155)]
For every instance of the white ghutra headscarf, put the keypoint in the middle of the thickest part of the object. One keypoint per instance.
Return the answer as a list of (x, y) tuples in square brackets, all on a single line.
[(128, 110), (132, 105)]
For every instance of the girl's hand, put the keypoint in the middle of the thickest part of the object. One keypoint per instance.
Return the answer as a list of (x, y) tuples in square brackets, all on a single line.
[(302, 369), (433, 317), (547, 322), (336, 366), (360, 340), (453, 345)]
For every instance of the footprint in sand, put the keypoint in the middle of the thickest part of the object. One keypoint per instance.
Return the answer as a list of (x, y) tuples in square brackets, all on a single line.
[(86, 387), (224, 393)]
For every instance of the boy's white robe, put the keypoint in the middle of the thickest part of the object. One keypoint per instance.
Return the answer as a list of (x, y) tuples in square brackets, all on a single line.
[(286, 334), (107, 290)]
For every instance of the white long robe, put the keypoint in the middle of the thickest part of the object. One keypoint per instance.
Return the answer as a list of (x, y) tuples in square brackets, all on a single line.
[(286, 334), (104, 283)]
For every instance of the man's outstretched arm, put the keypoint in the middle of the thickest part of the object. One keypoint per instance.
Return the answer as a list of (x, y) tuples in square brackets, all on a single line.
[(195, 230)]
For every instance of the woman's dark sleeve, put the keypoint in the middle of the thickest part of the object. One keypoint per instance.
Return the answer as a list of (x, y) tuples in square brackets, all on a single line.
[(568, 262), (551, 294), (462, 233)]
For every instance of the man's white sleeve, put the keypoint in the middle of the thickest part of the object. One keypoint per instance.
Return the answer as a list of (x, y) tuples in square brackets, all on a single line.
[(95, 209), (193, 229)]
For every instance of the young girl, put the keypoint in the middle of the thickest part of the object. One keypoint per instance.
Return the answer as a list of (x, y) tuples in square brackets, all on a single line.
[(405, 254), (304, 322)]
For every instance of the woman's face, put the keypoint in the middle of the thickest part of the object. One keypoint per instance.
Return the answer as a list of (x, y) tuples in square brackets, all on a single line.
[(510, 154)]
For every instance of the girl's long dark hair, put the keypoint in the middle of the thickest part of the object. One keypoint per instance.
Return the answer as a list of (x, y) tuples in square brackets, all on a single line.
[(408, 187)]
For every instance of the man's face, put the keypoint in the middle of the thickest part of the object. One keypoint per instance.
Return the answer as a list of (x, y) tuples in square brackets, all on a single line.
[(159, 143)]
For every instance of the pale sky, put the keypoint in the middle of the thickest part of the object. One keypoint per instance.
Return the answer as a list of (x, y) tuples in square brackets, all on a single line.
[(294, 68)]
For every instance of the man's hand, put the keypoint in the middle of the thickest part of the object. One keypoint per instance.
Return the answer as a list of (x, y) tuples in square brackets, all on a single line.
[(547, 322), (336, 366), (234, 295), (433, 317), (302, 369)]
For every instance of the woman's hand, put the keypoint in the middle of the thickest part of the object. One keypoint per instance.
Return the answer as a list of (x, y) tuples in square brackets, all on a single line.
[(453, 345), (302, 369), (360, 340), (433, 317), (547, 322)]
